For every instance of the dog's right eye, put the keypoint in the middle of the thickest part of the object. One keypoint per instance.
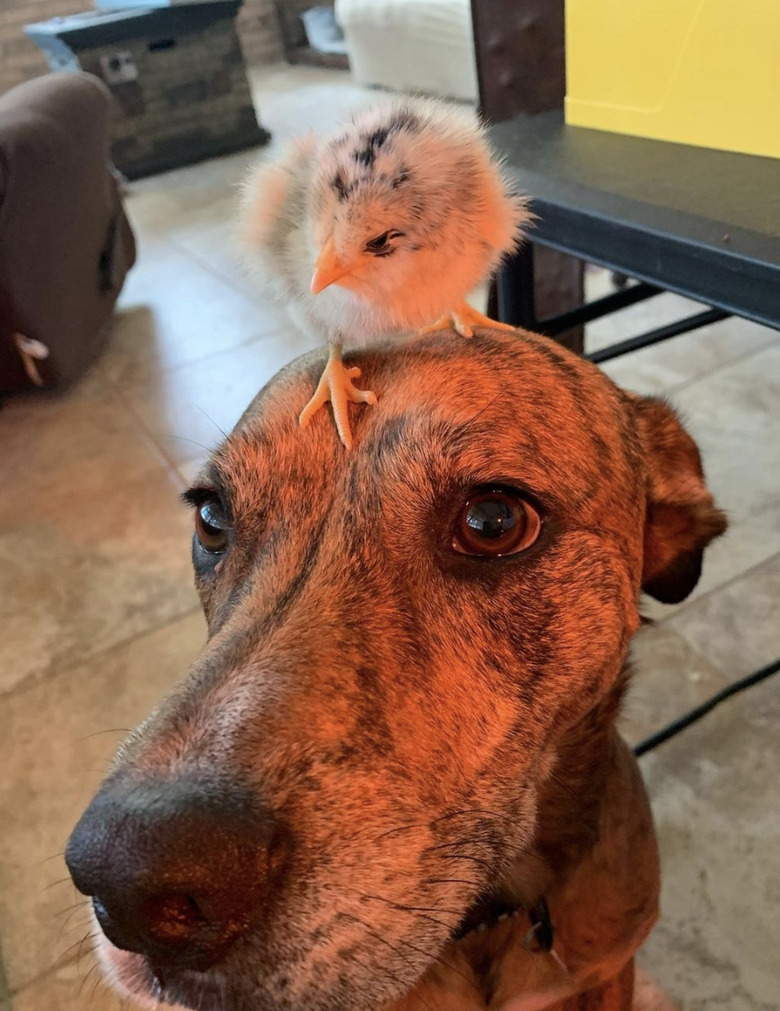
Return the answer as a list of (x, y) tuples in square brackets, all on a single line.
[(495, 522), (211, 525)]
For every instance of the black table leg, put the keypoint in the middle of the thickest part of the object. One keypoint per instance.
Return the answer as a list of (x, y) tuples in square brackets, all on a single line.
[(515, 289)]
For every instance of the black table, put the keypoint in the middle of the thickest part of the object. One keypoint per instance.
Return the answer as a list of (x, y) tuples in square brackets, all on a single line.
[(702, 223)]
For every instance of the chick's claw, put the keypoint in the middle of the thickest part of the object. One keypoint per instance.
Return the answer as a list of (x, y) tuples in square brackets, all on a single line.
[(463, 320), (336, 386), (443, 323)]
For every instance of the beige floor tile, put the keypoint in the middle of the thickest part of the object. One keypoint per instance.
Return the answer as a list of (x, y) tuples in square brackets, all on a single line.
[(174, 311), (199, 217), (318, 100), (734, 417), (737, 627), (188, 410), (81, 572), (82, 439), (54, 751), (668, 678), (715, 947)]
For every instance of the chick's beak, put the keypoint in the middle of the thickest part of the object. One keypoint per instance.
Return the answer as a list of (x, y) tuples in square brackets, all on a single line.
[(328, 269)]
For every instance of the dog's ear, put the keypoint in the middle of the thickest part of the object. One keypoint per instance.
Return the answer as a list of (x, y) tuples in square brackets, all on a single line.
[(682, 517)]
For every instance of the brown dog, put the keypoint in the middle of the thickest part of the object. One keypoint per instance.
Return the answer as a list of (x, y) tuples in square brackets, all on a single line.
[(402, 726)]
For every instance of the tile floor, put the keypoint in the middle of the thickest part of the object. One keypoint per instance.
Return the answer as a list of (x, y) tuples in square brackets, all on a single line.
[(98, 617)]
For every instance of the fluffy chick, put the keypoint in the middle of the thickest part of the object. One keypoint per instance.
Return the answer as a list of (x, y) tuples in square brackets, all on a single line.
[(382, 227)]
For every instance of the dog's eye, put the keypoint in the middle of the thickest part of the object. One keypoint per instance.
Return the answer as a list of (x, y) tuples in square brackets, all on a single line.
[(496, 522), (211, 525)]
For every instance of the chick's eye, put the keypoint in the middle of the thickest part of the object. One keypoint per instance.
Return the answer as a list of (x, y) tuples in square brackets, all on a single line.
[(496, 522), (211, 525), (380, 242)]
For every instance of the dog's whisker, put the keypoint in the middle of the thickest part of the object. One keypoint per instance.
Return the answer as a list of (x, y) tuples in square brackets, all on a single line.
[(460, 856), (96, 981), (70, 909), (192, 442), (414, 947), (99, 733), (407, 908), (97, 985), (421, 912), (372, 969), (54, 856), (69, 927), (63, 956), (67, 923), (465, 856), (479, 414), (90, 937), (401, 828), (54, 884), (208, 417), (453, 881), (475, 812)]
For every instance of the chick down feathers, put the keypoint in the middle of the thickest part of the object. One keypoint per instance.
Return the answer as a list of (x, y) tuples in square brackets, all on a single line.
[(416, 173)]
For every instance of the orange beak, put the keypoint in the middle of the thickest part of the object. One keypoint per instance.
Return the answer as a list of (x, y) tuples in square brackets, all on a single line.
[(327, 270)]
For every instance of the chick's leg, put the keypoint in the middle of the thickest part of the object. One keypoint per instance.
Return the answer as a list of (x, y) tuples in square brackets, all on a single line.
[(336, 386), (464, 319)]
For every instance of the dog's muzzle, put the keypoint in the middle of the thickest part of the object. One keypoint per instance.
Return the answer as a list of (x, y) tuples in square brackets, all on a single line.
[(178, 871)]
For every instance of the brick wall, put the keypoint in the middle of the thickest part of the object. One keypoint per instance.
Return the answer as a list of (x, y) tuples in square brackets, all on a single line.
[(258, 30), (21, 59)]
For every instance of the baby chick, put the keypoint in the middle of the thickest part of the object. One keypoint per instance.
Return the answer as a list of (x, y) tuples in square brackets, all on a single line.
[(382, 227)]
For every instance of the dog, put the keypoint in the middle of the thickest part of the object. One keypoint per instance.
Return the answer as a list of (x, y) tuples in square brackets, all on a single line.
[(392, 779)]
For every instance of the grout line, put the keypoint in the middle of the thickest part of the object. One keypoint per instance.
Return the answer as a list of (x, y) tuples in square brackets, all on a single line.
[(255, 337), (33, 681), (158, 438)]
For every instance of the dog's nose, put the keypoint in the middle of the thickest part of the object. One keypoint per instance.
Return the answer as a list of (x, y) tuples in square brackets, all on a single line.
[(176, 871)]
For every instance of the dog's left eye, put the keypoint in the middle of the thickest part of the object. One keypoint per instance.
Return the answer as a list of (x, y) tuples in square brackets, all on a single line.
[(212, 525), (496, 522)]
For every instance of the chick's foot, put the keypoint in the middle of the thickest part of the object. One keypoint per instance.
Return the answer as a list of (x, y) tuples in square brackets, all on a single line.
[(463, 320), (336, 386)]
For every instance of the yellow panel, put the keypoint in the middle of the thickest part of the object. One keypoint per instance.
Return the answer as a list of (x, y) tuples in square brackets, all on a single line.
[(704, 72)]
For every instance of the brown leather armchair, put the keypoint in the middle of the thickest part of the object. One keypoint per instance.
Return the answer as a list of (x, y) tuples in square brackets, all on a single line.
[(65, 242)]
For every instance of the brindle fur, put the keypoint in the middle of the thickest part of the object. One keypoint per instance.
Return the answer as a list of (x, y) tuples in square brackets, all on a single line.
[(436, 731)]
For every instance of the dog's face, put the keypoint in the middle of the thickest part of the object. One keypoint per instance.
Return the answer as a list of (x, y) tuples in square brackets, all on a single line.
[(398, 638)]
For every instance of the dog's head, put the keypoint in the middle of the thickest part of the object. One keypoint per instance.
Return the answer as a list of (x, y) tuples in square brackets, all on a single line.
[(399, 638)]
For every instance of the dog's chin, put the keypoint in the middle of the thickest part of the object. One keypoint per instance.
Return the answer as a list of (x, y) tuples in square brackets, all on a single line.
[(128, 973), (133, 977)]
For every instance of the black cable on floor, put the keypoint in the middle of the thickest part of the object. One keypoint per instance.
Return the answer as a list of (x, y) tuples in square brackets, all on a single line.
[(694, 715)]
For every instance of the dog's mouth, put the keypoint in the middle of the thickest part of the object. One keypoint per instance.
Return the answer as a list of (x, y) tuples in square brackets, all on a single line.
[(134, 976), (138, 978), (486, 912)]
